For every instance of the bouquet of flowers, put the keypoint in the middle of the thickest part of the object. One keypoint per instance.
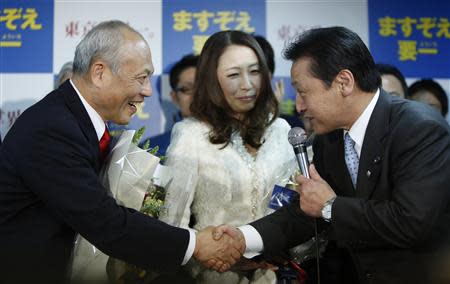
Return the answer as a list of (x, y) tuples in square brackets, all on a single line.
[(136, 180)]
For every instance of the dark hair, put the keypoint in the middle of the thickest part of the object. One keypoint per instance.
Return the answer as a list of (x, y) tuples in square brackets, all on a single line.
[(392, 70), (187, 61), (209, 103), (432, 87), (332, 50), (268, 52)]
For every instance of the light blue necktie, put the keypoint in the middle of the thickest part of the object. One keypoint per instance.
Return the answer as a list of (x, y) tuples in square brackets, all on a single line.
[(351, 158)]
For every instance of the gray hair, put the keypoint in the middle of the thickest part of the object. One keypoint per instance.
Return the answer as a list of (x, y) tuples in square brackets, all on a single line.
[(104, 41)]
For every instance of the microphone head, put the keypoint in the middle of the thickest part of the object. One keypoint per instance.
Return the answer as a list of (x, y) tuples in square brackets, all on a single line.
[(297, 136)]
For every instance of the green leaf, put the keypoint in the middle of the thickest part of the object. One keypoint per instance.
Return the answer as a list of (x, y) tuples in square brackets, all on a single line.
[(154, 150), (115, 133), (146, 145), (138, 135)]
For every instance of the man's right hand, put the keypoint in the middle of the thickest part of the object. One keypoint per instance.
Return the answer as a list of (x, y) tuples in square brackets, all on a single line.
[(221, 251)]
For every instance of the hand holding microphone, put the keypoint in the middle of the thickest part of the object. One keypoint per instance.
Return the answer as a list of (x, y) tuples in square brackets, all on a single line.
[(313, 190)]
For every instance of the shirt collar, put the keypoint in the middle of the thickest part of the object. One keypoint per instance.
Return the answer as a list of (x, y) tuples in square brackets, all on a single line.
[(358, 129), (96, 119)]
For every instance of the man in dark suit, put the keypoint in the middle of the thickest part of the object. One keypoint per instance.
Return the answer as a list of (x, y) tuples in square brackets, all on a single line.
[(379, 186), (49, 165)]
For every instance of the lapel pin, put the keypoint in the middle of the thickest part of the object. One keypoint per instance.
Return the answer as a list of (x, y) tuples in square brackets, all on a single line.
[(369, 173), (376, 160)]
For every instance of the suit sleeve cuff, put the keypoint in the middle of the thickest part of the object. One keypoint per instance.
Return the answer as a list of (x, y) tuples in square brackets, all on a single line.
[(253, 241), (191, 246)]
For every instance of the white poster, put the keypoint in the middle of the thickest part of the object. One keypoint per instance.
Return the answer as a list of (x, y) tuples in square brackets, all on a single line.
[(287, 19), (73, 19)]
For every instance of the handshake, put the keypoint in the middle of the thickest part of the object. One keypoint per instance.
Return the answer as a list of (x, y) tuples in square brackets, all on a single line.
[(219, 248)]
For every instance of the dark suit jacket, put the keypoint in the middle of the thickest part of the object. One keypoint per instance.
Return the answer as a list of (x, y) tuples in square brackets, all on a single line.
[(49, 190), (398, 215)]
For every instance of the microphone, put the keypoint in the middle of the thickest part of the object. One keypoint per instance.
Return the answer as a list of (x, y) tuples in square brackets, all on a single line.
[(299, 141)]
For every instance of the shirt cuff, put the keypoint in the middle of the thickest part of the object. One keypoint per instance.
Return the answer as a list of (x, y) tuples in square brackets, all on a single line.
[(253, 241), (191, 246)]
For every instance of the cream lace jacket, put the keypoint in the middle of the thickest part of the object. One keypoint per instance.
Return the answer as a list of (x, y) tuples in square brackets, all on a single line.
[(227, 185)]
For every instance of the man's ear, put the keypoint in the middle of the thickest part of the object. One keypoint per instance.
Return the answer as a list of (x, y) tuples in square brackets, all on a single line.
[(174, 97), (345, 82), (98, 72)]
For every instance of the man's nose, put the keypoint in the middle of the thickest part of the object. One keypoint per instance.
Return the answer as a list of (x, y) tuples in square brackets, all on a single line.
[(300, 103), (147, 90)]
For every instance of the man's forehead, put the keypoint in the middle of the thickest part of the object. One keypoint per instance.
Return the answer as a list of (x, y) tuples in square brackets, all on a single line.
[(297, 73), (301, 71), (302, 63)]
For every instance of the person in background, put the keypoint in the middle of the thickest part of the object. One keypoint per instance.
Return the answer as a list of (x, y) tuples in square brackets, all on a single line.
[(290, 115), (65, 73), (49, 166), (392, 80), (181, 79), (431, 93), (383, 206), (228, 156)]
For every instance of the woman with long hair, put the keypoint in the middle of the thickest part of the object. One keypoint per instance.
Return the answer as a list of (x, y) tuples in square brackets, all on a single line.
[(228, 156)]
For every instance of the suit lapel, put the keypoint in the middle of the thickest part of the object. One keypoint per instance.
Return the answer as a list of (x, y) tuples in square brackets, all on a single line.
[(372, 148), (76, 107)]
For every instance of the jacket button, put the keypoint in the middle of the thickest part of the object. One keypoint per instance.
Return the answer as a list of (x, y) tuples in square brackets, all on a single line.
[(369, 275)]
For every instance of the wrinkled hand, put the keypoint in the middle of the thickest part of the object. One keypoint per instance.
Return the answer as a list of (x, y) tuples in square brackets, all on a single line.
[(314, 192), (218, 253)]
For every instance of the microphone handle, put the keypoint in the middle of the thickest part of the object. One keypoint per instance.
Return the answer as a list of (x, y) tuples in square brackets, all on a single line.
[(302, 159), (303, 162)]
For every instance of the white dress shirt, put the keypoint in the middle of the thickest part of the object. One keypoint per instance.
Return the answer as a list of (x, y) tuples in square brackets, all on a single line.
[(358, 129), (96, 119)]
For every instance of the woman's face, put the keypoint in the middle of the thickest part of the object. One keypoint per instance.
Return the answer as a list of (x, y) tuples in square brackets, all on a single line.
[(239, 77)]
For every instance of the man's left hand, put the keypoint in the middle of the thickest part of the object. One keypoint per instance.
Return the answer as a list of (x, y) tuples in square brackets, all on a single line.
[(314, 192)]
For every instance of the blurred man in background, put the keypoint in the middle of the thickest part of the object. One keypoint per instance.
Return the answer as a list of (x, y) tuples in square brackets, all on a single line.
[(392, 80), (181, 79), (431, 93)]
